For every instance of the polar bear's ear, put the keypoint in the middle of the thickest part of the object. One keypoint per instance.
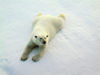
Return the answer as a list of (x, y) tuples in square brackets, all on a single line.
[(62, 16), (39, 14), (35, 36)]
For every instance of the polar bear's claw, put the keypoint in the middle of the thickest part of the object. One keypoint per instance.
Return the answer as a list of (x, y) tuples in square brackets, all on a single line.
[(24, 58), (35, 58)]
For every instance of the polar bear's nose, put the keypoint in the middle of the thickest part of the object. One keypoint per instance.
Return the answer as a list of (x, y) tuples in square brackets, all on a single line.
[(44, 42)]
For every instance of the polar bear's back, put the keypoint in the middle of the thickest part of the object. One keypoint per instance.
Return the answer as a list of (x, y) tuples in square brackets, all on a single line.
[(47, 23)]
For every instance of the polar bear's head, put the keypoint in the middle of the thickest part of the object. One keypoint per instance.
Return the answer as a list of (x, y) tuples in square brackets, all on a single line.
[(40, 39)]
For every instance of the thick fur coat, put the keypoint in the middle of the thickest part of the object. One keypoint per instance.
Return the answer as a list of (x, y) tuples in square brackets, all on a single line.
[(45, 28)]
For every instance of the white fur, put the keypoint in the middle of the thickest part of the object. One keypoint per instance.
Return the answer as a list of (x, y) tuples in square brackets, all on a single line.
[(44, 29), (46, 25)]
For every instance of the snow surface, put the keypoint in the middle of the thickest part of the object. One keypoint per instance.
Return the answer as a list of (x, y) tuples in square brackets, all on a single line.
[(74, 51)]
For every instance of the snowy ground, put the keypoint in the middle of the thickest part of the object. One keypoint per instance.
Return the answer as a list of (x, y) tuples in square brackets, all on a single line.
[(74, 51)]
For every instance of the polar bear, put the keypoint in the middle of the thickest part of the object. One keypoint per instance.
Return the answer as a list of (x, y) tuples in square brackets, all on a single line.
[(44, 29)]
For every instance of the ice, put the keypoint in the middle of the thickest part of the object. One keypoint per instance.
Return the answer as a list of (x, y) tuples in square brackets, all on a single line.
[(75, 50)]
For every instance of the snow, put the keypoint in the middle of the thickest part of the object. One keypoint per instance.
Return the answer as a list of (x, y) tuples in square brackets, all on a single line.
[(74, 51)]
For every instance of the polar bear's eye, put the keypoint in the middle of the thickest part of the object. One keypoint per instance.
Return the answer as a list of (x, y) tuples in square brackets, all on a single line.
[(47, 36), (40, 38), (35, 36)]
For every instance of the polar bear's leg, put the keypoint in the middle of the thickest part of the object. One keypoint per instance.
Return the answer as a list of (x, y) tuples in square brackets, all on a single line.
[(39, 14), (29, 47), (36, 19), (62, 16), (39, 54)]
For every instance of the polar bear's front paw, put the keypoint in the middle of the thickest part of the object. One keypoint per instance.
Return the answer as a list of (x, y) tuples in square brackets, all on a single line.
[(36, 58), (23, 58)]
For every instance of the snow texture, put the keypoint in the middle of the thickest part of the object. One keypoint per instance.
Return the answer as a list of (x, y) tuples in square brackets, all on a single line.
[(74, 51)]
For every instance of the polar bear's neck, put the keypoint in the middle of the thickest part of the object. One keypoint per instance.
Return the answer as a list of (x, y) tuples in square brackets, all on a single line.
[(39, 31)]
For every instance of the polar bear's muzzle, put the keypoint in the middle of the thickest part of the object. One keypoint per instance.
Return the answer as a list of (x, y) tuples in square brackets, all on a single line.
[(44, 42)]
